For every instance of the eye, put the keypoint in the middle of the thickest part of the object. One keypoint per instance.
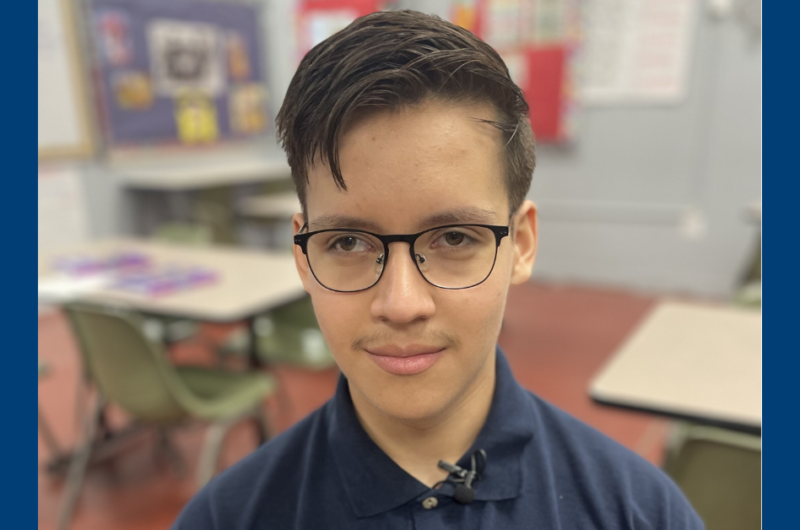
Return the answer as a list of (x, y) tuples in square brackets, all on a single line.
[(346, 243), (454, 238), (349, 243)]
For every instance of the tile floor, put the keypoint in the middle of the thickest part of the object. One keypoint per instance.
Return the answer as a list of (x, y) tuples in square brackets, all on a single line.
[(555, 336)]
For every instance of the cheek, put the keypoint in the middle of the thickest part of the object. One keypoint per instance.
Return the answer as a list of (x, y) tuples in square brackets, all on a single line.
[(341, 316), (474, 315)]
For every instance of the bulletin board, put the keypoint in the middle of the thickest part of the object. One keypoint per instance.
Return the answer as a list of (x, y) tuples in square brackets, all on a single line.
[(539, 41), (63, 124), (181, 72)]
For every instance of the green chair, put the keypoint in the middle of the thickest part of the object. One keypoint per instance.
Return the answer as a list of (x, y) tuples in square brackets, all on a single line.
[(719, 471), (184, 233), (172, 330), (286, 335), (132, 372), (291, 335)]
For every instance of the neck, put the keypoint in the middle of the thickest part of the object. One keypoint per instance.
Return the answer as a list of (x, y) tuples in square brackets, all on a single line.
[(418, 445)]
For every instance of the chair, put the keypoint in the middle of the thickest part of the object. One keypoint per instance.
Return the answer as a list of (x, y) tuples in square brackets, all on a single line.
[(291, 335), (184, 233), (719, 471), (172, 330), (132, 372), (287, 335)]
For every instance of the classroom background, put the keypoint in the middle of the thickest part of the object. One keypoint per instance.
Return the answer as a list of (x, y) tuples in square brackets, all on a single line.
[(164, 240)]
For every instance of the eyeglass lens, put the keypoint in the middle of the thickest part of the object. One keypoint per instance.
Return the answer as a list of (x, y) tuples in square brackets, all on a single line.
[(451, 257)]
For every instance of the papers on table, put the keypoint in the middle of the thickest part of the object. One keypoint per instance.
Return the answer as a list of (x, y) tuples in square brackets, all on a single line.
[(61, 288), (79, 275)]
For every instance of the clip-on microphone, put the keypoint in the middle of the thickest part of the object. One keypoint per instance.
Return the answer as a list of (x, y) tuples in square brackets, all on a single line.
[(463, 479)]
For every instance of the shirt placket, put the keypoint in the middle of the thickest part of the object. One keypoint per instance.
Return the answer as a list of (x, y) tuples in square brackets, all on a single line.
[(428, 510)]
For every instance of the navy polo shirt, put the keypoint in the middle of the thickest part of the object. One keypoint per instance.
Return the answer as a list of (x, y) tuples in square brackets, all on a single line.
[(544, 470)]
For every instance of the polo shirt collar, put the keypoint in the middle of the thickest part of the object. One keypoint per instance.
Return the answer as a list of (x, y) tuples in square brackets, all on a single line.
[(374, 483)]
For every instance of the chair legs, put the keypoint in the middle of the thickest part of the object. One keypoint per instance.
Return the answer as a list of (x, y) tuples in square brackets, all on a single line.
[(77, 467), (262, 427), (209, 457), (166, 449), (48, 436), (215, 436)]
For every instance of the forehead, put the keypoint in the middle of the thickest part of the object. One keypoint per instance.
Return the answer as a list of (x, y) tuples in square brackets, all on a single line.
[(408, 167)]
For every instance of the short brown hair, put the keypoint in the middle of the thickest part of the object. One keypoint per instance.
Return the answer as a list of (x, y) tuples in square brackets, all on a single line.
[(387, 60)]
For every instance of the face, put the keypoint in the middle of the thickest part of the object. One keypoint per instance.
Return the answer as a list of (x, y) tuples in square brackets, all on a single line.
[(409, 349)]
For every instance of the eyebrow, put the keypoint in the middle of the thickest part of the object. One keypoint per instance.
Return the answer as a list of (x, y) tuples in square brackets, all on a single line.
[(326, 222), (467, 214)]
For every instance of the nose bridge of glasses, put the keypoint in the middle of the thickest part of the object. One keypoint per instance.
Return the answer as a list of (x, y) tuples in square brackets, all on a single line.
[(409, 239)]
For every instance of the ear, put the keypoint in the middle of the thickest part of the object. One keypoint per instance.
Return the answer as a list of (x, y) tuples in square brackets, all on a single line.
[(526, 239), (300, 260)]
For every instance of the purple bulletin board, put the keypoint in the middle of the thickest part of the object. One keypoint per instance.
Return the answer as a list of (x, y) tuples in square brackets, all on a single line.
[(178, 71)]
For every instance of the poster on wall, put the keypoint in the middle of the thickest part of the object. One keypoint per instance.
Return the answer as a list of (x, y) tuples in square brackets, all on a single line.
[(182, 72), (539, 42), (319, 19), (638, 52)]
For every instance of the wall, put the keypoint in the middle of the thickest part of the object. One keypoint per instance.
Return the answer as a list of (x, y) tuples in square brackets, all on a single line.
[(647, 197), (654, 197)]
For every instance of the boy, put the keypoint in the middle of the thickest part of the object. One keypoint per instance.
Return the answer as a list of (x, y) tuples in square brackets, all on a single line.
[(412, 154)]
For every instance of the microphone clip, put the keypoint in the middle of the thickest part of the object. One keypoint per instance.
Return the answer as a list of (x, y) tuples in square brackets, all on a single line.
[(463, 479)]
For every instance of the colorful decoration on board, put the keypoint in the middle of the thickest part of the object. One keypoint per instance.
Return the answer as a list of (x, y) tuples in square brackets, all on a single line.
[(180, 72), (247, 104), (466, 13), (239, 68), (132, 90), (113, 36), (196, 117)]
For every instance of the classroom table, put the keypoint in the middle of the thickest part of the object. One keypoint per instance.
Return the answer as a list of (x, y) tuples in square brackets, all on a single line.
[(249, 282), (696, 362)]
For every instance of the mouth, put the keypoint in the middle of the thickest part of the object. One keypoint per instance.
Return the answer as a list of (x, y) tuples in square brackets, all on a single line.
[(405, 361)]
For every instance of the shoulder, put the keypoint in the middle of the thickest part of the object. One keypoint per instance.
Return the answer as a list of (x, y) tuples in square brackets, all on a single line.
[(594, 470), (234, 499)]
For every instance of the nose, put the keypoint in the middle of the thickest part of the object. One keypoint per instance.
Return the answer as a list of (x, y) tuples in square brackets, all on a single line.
[(402, 296)]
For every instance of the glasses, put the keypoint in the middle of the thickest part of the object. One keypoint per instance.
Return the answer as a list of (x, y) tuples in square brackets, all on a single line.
[(456, 256)]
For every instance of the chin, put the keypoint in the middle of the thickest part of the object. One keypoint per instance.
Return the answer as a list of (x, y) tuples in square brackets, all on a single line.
[(410, 405)]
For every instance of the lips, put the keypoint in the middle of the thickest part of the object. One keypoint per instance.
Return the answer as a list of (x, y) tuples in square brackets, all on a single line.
[(408, 360)]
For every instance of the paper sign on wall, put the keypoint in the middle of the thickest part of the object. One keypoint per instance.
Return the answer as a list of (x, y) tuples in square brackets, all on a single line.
[(637, 51)]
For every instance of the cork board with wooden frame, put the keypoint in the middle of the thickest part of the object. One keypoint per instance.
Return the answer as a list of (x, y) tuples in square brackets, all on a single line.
[(64, 129)]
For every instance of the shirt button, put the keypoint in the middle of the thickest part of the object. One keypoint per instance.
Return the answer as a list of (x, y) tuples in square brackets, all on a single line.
[(430, 503)]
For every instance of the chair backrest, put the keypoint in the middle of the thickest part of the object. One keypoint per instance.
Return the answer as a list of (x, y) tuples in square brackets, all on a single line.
[(184, 234), (294, 336), (127, 368), (720, 473)]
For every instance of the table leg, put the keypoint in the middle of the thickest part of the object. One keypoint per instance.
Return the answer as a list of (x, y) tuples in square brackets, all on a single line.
[(252, 354), (284, 403)]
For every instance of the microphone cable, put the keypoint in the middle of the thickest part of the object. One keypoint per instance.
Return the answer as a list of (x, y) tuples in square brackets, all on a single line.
[(463, 479)]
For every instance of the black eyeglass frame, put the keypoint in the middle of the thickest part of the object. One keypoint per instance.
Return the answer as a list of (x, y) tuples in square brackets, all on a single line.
[(301, 240)]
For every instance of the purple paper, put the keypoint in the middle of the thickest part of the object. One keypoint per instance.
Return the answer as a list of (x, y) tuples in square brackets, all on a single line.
[(166, 280)]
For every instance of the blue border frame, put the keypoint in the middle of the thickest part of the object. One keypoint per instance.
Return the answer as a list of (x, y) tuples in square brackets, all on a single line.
[(781, 294), (20, 240)]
